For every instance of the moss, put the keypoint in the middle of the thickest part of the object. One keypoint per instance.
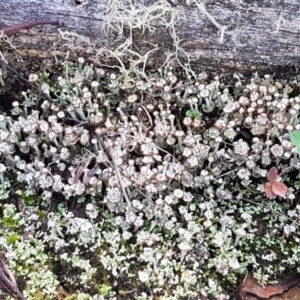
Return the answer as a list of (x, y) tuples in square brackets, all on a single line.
[(13, 238), (72, 297), (10, 223), (38, 296)]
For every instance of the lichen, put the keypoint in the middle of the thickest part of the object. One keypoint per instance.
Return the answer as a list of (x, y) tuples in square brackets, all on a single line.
[(148, 185)]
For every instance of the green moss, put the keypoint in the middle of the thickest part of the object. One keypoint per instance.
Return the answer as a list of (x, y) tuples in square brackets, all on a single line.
[(72, 297), (38, 296), (10, 223), (42, 214), (11, 239)]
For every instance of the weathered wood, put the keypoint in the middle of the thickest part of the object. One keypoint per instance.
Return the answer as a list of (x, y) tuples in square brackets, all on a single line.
[(261, 35)]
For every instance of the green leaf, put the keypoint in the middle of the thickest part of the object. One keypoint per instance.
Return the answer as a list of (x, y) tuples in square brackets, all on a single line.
[(295, 138), (189, 113), (192, 113)]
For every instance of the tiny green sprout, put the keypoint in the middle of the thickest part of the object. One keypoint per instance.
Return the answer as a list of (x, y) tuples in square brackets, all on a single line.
[(46, 76), (295, 139), (104, 289), (13, 238), (81, 199), (194, 114), (156, 229), (42, 214)]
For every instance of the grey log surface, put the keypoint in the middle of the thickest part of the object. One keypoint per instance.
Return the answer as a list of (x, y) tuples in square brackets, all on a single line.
[(261, 35)]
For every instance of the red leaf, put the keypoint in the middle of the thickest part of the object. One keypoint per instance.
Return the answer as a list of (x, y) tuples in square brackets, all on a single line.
[(268, 189), (272, 174), (279, 188)]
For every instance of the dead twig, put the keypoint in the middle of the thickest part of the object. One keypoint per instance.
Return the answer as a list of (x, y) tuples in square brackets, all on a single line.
[(115, 166), (27, 81), (7, 280)]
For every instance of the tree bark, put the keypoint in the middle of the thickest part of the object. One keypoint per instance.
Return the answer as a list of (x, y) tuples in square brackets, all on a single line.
[(259, 36)]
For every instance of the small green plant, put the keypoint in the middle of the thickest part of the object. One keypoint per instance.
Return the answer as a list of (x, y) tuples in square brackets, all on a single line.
[(104, 289), (194, 114), (295, 139)]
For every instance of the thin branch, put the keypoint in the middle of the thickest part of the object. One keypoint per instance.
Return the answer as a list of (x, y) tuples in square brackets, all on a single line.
[(28, 82)]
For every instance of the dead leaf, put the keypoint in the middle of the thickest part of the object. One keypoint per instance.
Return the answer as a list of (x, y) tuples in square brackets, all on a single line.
[(250, 286)]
